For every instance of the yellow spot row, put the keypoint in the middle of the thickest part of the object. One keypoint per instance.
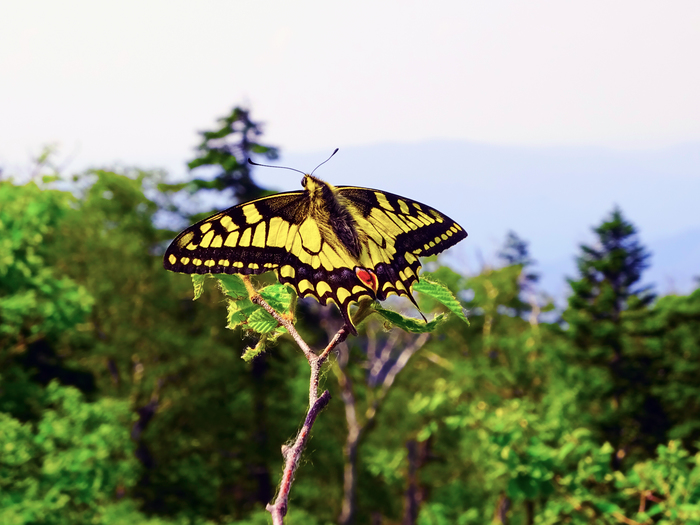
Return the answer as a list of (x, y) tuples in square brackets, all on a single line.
[(222, 262)]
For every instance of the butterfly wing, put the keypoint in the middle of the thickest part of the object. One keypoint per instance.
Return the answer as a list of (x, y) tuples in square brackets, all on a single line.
[(399, 230), (250, 238)]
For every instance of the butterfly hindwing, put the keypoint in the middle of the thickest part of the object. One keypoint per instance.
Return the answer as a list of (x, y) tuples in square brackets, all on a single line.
[(340, 286)]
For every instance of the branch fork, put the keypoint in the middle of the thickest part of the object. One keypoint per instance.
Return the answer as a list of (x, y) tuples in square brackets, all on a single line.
[(292, 454)]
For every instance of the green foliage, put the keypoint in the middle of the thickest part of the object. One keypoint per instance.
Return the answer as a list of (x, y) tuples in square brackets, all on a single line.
[(38, 303), (35, 299), (408, 323), (198, 284), (668, 486), (670, 334), (437, 294), (243, 312), (144, 344), (606, 311), (70, 465), (252, 317), (596, 420)]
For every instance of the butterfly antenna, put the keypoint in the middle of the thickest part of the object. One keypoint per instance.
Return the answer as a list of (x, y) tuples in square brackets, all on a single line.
[(279, 167), (329, 158)]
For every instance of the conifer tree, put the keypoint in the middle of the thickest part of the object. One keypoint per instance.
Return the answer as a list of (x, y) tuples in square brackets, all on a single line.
[(516, 251), (228, 148), (606, 304)]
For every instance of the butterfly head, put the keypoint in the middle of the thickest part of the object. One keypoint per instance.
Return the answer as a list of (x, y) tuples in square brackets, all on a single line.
[(311, 183), (320, 193)]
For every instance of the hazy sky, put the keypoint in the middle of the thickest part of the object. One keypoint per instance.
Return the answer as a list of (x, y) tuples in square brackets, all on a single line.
[(132, 81)]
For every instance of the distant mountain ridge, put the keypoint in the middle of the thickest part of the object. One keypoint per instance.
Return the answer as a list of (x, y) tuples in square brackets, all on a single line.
[(674, 269)]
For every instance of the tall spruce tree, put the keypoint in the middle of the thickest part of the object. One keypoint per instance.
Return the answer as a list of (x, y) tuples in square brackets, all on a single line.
[(605, 307), (228, 149), (224, 152), (515, 252)]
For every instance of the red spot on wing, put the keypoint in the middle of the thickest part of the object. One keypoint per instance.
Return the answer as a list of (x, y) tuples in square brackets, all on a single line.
[(367, 277)]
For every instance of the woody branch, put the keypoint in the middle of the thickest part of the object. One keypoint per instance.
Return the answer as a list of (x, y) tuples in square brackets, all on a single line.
[(292, 454)]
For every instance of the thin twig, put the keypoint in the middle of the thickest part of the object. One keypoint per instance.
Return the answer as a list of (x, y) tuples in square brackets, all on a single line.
[(383, 356), (292, 454), (402, 360), (391, 374), (624, 519)]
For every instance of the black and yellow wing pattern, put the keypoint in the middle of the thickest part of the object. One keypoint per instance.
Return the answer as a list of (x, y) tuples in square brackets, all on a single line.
[(338, 244)]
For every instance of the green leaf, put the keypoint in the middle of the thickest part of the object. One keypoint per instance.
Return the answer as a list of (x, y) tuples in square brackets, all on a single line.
[(238, 312), (608, 508), (522, 486), (198, 284), (442, 294), (408, 323), (252, 353), (261, 322), (272, 336), (242, 311), (279, 296), (232, 285)]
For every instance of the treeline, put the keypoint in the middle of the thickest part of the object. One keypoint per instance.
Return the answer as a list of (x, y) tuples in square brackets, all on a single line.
[(122, 401)]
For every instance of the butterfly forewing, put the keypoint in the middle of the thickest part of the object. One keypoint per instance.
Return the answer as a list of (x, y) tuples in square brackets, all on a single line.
[(248, 238)]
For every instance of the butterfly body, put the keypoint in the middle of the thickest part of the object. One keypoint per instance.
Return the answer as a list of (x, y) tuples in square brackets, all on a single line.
[(339, 244)]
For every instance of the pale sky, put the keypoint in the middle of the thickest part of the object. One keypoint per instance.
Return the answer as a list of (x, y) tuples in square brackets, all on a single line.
[(133, 81)]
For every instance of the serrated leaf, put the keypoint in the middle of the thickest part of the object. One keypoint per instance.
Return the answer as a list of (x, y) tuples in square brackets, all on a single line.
[(442, 294), (198, 284), (408, 323), (252, 353), (272, 336), (243, 312), (262, 322), (238, 312), (232, 285), (278, 296)]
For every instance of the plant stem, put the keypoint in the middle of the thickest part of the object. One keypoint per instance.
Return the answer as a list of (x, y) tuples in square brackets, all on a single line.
[(292, 454)]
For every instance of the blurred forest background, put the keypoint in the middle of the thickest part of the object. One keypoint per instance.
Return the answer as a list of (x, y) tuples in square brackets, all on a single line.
[(122, 401)]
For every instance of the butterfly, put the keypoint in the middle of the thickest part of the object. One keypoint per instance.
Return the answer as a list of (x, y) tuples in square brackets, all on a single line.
[(337, 244)]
